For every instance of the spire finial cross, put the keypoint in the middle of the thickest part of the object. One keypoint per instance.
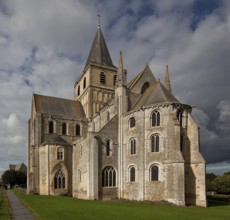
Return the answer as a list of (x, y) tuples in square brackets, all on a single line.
[(99, 16)]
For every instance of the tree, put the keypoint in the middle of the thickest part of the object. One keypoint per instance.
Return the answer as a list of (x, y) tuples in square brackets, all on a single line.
[(222, 184), (13, 178), (227, 173), (210, 177)]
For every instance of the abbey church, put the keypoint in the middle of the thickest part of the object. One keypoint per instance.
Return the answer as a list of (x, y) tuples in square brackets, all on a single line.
[(117, 139)]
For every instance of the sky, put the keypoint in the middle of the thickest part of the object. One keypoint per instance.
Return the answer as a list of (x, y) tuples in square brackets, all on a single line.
[(44, 46)]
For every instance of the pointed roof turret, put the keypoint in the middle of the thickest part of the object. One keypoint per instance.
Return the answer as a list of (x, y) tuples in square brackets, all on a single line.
[(99, 53), (167, 83), (121, 77)]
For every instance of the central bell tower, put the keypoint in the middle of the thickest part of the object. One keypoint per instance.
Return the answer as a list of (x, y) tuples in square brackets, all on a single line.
[(96, 85)]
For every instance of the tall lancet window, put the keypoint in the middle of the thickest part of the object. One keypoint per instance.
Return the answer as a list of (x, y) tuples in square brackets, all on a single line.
[(132, 174), (155, 143), (59, 180), (155, 118)]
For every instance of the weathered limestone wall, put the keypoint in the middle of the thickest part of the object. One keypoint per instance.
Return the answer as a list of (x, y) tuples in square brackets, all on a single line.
[(49, 165), (81, 168), (195, 167)]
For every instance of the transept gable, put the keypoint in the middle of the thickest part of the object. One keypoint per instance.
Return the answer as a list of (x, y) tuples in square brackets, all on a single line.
[(145, 76)]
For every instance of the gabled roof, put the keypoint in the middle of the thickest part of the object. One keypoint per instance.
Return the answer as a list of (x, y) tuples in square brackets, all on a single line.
[(147, 71), (58, 106), (156, 93), (99, 52), (55, 139)]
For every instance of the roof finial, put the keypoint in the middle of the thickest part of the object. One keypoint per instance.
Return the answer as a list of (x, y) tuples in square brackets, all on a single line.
[(167, 80), (99, 16)]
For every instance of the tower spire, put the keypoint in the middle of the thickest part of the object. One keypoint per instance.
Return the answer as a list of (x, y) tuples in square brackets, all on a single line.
[(167, 80)]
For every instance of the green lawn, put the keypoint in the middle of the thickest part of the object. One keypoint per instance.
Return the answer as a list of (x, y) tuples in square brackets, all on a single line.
[(56, 207), (4, 205)]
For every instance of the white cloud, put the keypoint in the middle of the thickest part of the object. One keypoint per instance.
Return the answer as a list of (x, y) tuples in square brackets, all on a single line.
[(12, 121)]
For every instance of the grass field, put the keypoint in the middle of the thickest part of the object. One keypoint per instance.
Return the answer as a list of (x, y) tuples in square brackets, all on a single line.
[(56, 207), (4, 205)]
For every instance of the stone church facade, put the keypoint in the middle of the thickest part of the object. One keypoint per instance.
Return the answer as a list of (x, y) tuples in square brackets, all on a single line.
[(117, 139)]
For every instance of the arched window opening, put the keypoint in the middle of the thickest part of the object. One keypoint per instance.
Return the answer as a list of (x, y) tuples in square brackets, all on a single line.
[(108, 148), (133, 146), (144, 87), (132, 122), (132, 174), (78, 90), (51, 127), (64, 128), (108, 116), (154, 173), (155, 143), (114, 79), (59, 180), (108, 177), (102, 78), (78, 130), (60, 153), (84, 83), (156, 118)]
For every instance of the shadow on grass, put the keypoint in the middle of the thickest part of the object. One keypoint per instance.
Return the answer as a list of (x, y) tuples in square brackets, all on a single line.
[(214, 203)]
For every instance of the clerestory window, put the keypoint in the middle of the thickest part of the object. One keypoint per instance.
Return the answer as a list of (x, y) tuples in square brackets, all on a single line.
[(64, 128), (155, 118), (51, 127), (155, 143), (132, 143), (132, 122)]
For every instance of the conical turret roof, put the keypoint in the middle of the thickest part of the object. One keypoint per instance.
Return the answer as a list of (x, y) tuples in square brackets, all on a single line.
[(99, 52)]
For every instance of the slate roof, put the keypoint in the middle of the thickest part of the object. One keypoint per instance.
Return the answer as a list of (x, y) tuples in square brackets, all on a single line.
[(58, 106), (55, 139), (99, 52), (156, 93)]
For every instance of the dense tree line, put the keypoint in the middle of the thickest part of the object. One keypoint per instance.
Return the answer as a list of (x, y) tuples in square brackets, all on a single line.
[(13, 178), (219, 184)]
